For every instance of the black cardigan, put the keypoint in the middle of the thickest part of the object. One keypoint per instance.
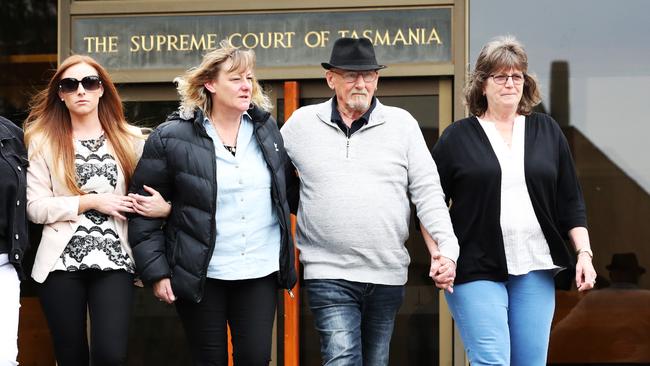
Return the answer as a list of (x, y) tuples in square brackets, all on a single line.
[(471, 178)]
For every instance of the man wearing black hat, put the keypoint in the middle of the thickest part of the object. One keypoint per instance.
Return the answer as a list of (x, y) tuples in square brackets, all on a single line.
[(359, 163), (624, 271)]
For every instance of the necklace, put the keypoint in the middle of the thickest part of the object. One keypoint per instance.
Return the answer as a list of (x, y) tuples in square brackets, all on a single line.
[(231, 148)]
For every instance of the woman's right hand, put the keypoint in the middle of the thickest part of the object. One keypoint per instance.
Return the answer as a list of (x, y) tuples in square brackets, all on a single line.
[(106, 203), (163, 290), (442, 272), (150, 206)]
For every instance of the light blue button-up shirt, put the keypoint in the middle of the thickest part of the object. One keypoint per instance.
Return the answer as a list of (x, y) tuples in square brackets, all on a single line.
[(248, 233)]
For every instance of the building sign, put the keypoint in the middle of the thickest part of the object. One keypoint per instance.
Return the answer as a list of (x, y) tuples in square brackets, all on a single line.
[(279, 39)]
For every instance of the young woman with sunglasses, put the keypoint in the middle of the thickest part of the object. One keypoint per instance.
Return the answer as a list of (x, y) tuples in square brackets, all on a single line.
[(82, 154)]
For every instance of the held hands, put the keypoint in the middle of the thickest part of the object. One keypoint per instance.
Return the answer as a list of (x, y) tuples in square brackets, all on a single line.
[(163, 291), (443, 272), (585, 273), (150, 206), (114, 205), (107, 203)]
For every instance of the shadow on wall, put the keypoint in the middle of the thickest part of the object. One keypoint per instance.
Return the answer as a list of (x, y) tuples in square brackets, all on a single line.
[(610, 325), (618, 208)]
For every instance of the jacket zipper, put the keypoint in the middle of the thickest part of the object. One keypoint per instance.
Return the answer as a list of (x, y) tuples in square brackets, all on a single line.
[(279, 209), (213, 219), (347, 143)]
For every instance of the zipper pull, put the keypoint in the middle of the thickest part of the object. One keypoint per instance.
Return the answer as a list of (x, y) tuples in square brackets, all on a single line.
[(347, 149), (291, 294)]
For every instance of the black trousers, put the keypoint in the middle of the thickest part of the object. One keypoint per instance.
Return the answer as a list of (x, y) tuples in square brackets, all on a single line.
[(248, 306), (67, 298)]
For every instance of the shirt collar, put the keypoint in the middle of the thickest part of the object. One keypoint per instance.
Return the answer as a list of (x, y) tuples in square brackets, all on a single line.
[(336, 116), (245, 118)]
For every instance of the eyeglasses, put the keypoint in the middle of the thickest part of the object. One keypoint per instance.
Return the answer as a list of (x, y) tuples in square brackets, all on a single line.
[(352, 76), (70, 85), (501, 79)]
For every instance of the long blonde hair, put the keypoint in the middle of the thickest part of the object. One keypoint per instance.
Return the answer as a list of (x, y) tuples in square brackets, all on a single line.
[(49, 123), (191, 87)]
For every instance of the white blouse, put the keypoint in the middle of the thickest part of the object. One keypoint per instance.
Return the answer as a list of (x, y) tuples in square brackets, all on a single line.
[(523, 240)]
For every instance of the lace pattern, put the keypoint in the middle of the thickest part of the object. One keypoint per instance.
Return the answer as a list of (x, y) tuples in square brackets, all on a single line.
[(95, 244)]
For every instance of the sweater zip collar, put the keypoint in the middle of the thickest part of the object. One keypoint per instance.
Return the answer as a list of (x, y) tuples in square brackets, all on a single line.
[(324, 114)]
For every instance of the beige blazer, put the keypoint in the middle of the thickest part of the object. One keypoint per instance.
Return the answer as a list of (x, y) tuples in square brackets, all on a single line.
[(50, 202)]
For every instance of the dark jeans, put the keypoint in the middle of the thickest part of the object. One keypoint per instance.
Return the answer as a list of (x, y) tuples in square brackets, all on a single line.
[(248, 306), (67, 299), (355, 320)]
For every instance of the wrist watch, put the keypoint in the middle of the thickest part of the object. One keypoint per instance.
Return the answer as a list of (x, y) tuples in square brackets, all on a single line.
[(585, 250)]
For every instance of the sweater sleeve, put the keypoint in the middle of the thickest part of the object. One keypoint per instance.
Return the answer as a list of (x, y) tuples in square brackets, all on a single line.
[(43, 206), (146, 234), (427, 194), (293, 182), (441, 156), (570, 202)]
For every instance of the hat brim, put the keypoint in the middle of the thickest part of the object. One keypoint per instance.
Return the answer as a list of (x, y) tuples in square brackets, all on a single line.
[(637, 269), (329, 66)]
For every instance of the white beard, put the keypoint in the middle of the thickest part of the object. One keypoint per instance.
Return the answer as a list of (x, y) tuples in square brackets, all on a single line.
[(358, 104)]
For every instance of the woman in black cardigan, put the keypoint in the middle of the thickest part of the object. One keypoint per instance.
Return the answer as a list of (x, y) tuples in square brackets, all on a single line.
[(515, 198)]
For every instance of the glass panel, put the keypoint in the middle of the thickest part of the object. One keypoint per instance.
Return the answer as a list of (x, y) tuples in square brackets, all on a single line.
[(595, 87), (148, 114), (415, 337), (28, 27), (156, 335)]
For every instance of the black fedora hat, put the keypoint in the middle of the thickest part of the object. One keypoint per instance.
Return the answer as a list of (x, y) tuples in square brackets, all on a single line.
[(625, 262), (356, 54)]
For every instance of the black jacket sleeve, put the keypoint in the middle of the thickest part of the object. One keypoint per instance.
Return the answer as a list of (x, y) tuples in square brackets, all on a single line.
[(146, 234), (293, 187), (571, 209)]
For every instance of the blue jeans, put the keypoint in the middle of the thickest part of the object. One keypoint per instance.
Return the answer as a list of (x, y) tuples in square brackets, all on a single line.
[(355, 320), (505, 323)]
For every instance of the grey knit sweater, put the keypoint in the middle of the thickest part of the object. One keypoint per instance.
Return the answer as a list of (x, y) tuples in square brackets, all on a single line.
[(354, 194)]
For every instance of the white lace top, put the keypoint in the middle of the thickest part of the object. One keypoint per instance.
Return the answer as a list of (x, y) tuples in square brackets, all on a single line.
[(95, 244)]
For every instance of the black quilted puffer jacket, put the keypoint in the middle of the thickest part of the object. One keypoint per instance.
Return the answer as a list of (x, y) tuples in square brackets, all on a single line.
[(179, 162)]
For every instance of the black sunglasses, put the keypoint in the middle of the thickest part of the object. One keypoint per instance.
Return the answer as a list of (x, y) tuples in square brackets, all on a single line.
[(70, 85)]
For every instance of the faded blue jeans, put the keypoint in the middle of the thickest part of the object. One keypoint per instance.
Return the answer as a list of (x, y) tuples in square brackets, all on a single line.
[(355, 320), (505, 323)]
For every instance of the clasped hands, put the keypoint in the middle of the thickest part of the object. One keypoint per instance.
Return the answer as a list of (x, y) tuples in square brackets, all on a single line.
[(116, 205), (442, 272)]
